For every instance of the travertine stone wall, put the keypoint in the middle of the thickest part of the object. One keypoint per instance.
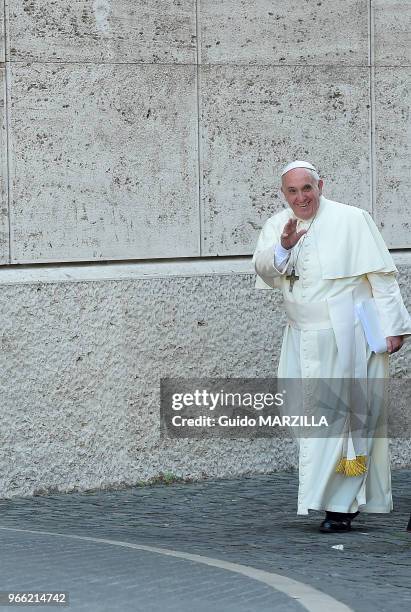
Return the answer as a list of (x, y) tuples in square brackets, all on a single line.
[(102, 130), (103, 31), (391, 50), (254, 119), (102, 187), (287, 33), (391, 26), (4, 219), (392, 140), (157, 128)]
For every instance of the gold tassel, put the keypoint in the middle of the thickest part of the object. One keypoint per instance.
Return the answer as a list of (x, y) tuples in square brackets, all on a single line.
[(352, 467)]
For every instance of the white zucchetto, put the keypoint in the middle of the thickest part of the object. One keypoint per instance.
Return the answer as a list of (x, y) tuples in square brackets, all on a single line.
[(298, 164)]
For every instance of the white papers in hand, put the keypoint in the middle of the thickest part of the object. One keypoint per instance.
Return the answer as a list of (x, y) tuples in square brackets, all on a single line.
[(368, 314)]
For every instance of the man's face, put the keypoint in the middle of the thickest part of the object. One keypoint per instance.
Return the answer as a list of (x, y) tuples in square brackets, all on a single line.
[(302, 192)]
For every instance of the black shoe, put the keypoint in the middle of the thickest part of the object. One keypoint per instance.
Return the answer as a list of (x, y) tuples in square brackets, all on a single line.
[(337, 522), (333, 526)]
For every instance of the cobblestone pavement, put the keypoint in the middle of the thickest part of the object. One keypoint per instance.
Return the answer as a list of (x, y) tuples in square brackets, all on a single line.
[(250, 521)]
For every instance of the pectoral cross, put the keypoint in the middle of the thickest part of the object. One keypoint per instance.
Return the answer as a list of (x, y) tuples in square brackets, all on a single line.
[(292, 278)]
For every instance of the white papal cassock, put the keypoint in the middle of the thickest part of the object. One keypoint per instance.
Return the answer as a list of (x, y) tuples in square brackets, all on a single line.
[(343, 260)]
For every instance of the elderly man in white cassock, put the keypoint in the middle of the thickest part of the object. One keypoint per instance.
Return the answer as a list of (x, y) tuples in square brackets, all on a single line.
[(328, 258)]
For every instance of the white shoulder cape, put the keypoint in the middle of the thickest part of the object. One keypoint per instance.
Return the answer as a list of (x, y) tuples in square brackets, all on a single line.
[(348, 242)]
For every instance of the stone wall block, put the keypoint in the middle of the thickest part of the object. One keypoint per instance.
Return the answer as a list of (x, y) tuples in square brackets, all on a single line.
[(392, 25), (256, 119), (285, 32), (392, 139), (2, 34), (4, 213), (83, 409), (103, 162), (86, 360), (151, 31)]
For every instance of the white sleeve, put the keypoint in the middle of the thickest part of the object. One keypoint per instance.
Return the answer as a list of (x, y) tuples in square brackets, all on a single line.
[(394, 317), (267, 265), (281, 257), (263, 258)]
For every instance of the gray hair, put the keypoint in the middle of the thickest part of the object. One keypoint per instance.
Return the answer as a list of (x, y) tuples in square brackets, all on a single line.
[(314, 174)]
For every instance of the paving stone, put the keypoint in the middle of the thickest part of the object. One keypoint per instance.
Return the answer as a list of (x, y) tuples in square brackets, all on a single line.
[(102, 578), (251, 521)]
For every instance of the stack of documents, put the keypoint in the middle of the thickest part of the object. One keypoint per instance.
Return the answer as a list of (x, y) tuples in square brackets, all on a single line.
[(368, 315)]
